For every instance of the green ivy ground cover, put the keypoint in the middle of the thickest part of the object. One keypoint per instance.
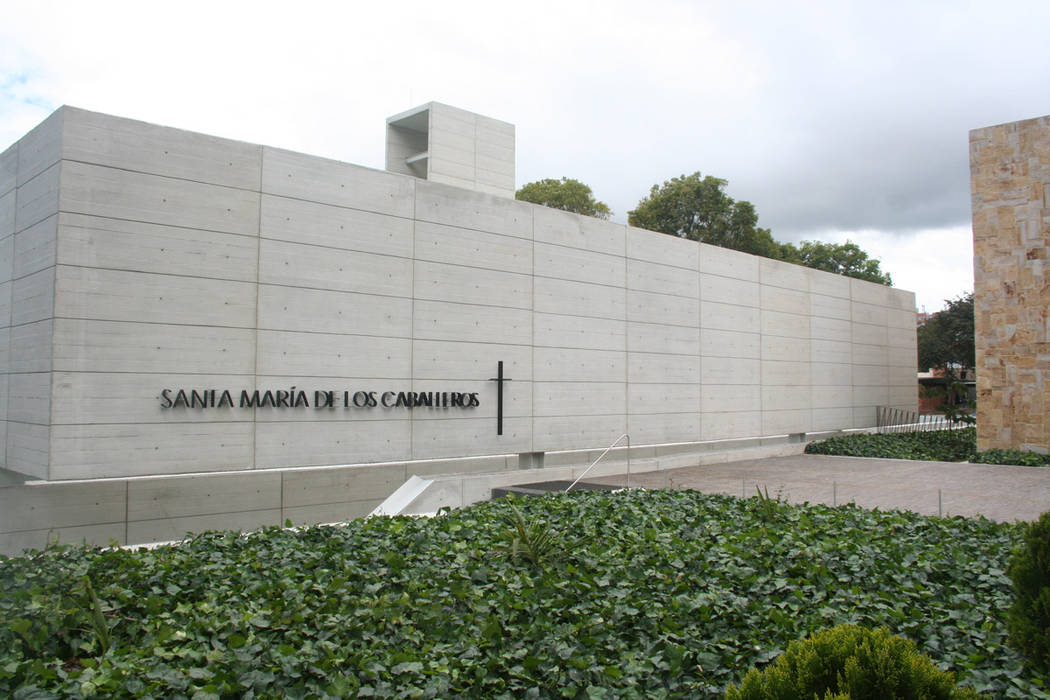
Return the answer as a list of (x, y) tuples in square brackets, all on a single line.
[(673, 594), (937, 445)]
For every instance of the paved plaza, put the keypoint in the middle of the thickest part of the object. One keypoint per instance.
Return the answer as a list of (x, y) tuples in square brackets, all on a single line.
[(1003, 493)]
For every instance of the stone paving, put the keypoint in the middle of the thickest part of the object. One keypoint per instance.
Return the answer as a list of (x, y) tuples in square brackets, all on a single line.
[(1003, 493)]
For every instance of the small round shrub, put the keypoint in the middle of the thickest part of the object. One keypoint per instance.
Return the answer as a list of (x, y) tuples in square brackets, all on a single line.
[(850, 662), (1028, 620)]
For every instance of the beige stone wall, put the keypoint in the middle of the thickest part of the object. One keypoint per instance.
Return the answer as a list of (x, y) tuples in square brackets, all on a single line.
[(1010, 192)]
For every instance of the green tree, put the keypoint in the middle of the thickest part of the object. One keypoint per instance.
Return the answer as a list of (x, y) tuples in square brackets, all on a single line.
[(946, 340), (566, 194), (697, 207), (843, 259)]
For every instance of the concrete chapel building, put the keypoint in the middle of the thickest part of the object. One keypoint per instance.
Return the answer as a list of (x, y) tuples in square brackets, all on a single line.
[(202, 333)]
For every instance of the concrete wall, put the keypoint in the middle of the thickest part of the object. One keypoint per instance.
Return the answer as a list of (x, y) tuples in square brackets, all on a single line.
[(142, 257), (1010, 190)]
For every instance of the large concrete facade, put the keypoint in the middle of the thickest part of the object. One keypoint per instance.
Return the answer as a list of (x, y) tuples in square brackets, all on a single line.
[(1010, 189), (138, 259)]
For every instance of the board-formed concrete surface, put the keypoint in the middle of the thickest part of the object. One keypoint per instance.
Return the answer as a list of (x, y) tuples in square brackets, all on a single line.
[(137, 261), (1003, 493)]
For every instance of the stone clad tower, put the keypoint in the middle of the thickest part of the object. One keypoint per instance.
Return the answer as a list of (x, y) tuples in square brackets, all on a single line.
[(1010, 191)]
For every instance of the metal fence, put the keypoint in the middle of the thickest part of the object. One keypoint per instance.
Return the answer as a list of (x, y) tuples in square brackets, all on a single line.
[(896, 420)]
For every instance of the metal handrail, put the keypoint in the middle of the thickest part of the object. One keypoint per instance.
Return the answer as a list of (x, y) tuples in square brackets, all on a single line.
[(617, 440)]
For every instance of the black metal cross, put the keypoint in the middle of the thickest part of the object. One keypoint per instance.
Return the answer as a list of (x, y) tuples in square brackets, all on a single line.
[(499, 379)]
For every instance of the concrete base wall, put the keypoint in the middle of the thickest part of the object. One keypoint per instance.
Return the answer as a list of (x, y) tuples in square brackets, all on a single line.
[(142, 510)]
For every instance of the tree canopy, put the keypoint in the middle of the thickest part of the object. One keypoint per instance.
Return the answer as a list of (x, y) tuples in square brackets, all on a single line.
[(843, 259), (947, 338), (697, 207), (566, 194)]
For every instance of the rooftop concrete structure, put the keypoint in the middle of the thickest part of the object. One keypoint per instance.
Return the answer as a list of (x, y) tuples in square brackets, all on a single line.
[(197, 320)]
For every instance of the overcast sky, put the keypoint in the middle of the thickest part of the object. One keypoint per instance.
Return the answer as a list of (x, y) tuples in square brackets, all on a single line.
[(838, 120)]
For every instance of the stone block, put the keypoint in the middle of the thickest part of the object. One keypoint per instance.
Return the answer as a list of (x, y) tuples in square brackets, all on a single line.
[(831, 374), (824, 397), (28, 347), (785, 373), (835, 329), (30, 507), (869, 334), (573, 365), (38, 198), (791, 301), (870, 354), (658, 337), (727, 290), (659, 368), (9, 169), (565, 432), (454, 206), (786, 422), (202, 494), (461, 246), (32, 297), (726, 398), (572, 399), (120, 194), (558, 330), (90, 241), (729, 370), (13, 544), (829, 284), (821, 306), (7, 214), (786, 349), (41, 148), (869, 313), (82, 345), (322, 354), (724, 426), (298, 265), (299, 176), (174, 529), (465, 285), (118, 450), (662, 428), (729, 317), (785, 325), (82, 398), (29, 397), (435, 359), (786, 398), (138, 146), (332, 226), (302, 443), (579, 299), (31, 250), (870, 292), (774, 273), (716, 343), (117, 295), (728, 263), (340, 485), (650, 307), (439, 320), (661, 249), (471, 436), (330, 512), (28, 449)]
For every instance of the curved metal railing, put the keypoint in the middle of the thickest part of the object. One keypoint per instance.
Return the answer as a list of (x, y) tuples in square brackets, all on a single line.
[(607, 449)]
